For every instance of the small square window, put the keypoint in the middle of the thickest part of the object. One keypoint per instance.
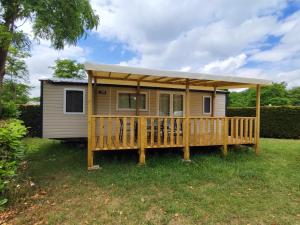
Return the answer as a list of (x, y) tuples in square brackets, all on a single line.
[(206, 104), (127, 101), (74, 101)]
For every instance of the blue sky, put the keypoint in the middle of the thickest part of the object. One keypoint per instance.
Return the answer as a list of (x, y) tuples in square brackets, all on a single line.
[(258, 38)]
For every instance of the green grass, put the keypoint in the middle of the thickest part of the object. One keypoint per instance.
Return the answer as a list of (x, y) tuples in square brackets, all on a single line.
[(241, 189)]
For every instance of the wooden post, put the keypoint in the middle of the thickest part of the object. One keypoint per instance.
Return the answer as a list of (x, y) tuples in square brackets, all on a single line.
[(90, 155), (214, 102), (142, 140), (137, 109), (186, 155), (225, 137), (257, 125), (95, 96)]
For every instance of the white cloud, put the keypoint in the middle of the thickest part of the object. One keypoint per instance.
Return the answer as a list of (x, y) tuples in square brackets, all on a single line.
[(43, 56), (228, 65), (214, 36)]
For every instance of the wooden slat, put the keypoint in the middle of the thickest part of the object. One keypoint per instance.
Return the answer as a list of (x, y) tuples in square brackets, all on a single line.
[(178, 131), (117, 131), (236, 130), (93, 133), (165, 132), (172, 132), (251, 131), (158, 132), (212, 131), (152, 132), (257, 120), (132, 132), (246, 130), (217, 131), (231, 130), (101, 133), (109, 129), (195, 131), (242, 131), (225, 136), (200, 131), (124, 138)]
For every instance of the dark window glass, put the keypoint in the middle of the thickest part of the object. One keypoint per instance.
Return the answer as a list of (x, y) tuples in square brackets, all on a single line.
[(74, 101), (128, 101), (206, 105)]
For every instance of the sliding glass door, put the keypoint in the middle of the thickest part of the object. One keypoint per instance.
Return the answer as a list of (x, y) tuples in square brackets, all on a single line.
[(171, 104)]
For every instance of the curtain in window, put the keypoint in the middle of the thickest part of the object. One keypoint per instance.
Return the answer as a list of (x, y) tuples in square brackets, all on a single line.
[(74, 101)]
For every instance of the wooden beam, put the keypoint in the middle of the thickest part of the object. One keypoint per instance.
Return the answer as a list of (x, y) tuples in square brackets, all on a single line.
[(205, 83), (143, 77), (225, 137), (127, 76), (137, 109), (94, 96), (213, 103), (159, 78), (109, 74), (257, 126), (142, 137), (174, 79), (90, 154), (186, 155)]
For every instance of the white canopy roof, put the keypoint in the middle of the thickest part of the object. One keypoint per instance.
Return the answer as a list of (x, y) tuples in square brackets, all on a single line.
[(126, 73)]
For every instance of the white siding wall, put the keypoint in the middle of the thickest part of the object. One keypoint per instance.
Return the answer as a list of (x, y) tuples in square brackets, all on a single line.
[(56, 124)]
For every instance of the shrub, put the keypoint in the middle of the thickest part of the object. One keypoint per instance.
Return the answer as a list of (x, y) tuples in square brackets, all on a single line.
[(11, 151), (9, 110), (32, 117), (276, 121)]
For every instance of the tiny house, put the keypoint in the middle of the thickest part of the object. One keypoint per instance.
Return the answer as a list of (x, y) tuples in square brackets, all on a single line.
[(122, 107)]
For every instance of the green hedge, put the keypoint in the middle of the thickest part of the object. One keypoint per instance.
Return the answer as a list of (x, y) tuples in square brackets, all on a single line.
[(276, 122), (32, 117)]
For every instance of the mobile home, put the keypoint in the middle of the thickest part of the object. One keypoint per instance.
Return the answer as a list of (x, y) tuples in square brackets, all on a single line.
[(122, 107)]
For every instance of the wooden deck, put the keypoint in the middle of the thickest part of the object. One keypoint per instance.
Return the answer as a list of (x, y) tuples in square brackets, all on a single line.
[(136, 132)]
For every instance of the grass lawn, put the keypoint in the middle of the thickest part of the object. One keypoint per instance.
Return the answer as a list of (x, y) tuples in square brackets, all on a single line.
[(241, 189)]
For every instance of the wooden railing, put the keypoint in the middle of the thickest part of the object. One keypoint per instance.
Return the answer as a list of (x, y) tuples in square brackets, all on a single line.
[(132, 132)]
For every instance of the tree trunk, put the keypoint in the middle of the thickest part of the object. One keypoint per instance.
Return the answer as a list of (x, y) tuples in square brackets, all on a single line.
[(3, 56)]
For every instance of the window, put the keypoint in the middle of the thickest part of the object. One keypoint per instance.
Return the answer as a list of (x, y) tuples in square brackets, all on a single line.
[(128, 101), (206, 104), (178, 105), (170, 104), (74, 101)]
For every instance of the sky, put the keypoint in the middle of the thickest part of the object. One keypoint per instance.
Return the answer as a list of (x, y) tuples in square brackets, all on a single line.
[(257, 38)]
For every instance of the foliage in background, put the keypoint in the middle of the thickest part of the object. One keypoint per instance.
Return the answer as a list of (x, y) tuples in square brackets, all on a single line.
[(14, 90), (276, 95), (276, 122), (31, 115), (11, 152), (16, 68), (67, 68), (48, 19)]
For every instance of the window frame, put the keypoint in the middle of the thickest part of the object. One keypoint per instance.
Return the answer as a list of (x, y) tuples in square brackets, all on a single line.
[(171, 93), (210, 105), (65, 101), (132, 92)]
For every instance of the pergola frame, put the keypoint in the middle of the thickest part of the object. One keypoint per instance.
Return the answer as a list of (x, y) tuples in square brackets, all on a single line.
[(137, 77)]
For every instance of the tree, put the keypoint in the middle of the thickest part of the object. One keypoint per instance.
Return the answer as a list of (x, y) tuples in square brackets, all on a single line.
[(66, 68), (61, 22), (15, 66), (294, 95), (275, 94), (15, 92)]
